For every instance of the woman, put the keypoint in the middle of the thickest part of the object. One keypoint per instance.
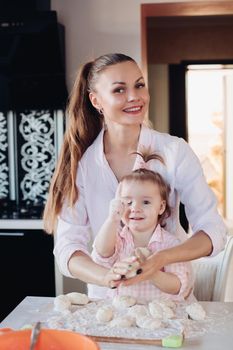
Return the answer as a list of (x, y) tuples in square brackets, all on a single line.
[(106, 113)]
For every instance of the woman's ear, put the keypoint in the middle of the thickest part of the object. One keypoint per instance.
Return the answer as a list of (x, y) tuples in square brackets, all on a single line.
[(162, 207), (94, 100)]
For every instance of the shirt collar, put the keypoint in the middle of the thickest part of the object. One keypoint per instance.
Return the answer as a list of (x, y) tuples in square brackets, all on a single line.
[(157, 235)]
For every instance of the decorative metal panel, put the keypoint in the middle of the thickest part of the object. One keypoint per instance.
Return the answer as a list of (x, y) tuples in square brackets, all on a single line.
[(29, 145), (4, 169)]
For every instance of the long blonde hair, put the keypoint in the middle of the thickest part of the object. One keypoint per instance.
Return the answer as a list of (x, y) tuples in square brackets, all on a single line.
[(84, 124)]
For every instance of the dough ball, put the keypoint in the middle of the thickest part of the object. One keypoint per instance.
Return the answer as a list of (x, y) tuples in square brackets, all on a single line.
[(104, 314), (124, 321), (167, 311), (62, 303), (148, 322), (78, 298), (138, 311), (123, 301), (160, 310), (168, 302), (156, 310), (196, 312)]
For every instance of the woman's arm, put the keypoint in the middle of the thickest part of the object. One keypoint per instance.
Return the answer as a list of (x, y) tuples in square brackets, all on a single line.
[(197, 246), (81, 266)]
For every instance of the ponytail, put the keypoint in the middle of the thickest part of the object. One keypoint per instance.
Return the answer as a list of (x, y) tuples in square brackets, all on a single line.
[(84, 124)]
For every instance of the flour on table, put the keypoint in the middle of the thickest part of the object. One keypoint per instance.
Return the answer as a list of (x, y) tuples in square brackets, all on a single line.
[(135, 321), (62, 303)]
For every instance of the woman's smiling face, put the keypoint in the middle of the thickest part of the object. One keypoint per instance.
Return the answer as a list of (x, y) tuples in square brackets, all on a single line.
[(121, 94)]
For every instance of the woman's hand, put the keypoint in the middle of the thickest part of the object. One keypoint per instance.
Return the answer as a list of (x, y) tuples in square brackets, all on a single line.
[(111, 279), (148, 268)]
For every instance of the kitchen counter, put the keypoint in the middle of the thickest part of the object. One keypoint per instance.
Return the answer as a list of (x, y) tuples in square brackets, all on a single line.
[(27, 224), (218, 334)]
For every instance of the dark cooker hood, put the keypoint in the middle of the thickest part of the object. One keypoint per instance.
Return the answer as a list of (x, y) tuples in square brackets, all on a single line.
[(32, 65)]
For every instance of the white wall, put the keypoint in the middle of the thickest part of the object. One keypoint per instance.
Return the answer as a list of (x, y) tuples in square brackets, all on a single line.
[(96, 27)]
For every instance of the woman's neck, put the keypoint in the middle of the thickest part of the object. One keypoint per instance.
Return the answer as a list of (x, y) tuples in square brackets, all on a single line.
[(121, 139)]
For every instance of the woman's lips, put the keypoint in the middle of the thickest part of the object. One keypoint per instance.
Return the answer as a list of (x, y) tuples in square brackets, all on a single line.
[(133, 109)]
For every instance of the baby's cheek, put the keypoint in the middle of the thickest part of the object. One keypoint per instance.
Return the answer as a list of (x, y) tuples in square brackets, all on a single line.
[(125, 216)]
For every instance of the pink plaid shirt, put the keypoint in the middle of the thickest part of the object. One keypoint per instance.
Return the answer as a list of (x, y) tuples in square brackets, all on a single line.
[(161, 239)]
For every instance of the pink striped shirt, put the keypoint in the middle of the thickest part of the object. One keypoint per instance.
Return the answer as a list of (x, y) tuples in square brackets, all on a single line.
[(146, 291)]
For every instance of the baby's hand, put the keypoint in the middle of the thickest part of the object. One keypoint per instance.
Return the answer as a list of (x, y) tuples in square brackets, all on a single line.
[(127, 268), (116, 209)]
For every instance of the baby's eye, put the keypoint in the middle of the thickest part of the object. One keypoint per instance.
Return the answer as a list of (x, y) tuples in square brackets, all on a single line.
[(146, 202)]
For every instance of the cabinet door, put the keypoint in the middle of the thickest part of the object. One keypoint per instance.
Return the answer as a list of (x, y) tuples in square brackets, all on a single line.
[(26, 267)]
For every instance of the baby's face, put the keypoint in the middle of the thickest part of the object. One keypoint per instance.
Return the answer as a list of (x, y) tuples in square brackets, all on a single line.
[(143, 204)]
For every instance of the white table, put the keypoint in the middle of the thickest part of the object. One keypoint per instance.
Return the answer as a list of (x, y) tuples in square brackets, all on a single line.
[(218, 337)]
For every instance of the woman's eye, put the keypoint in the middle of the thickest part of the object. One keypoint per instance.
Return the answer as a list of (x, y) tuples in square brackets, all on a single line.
[(140, 85), (129, 203), (146, 202), (119, 90)]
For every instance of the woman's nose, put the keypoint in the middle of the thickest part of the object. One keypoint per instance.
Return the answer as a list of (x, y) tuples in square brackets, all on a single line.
[(133, 96)]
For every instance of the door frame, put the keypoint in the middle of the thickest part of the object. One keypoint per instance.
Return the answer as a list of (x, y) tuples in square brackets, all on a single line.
[(181, 9)]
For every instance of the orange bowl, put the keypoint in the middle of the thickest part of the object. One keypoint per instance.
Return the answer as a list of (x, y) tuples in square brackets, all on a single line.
[(49, 339)]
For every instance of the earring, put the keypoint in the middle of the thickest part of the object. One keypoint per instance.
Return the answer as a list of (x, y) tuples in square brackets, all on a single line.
[(100, 110)]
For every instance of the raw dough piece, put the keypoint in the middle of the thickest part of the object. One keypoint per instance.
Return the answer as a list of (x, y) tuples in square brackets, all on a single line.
[(168, 302), (62, 303), (167, 311), (196, 311), (148, 322), (78, 298), (156, 310), (138, 311), (160, 310), (104, 314), (125, 321), (123, 301)]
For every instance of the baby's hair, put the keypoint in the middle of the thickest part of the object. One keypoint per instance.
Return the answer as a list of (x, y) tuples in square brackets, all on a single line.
[(143, 174)]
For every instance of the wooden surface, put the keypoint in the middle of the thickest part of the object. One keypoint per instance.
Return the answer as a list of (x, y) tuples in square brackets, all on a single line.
[(126, 340)]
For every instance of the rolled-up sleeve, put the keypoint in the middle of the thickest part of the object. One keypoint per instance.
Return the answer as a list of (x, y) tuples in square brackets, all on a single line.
[(199, 200), (185, 274), (73, 230)]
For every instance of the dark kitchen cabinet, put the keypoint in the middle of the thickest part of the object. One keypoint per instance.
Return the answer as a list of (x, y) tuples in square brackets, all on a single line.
[(26, 267)]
